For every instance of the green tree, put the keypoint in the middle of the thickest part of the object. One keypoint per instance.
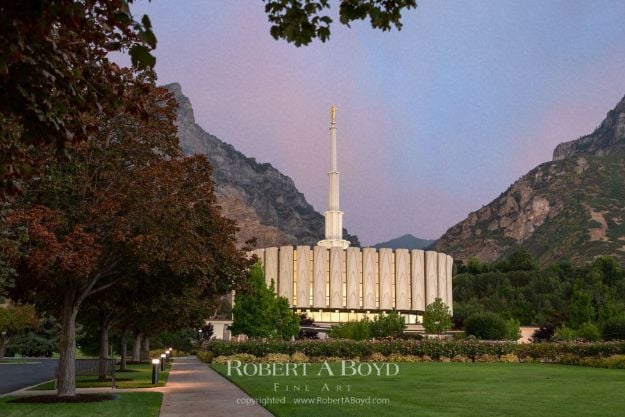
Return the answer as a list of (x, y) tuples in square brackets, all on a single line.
[(301, 21), (388, 325), (487, 326), (581, 309), (13, 320), (437, 318), (259, 313)]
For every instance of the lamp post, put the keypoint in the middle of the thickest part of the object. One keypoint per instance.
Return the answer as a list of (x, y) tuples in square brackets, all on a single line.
[(163, 359), (155, 363)]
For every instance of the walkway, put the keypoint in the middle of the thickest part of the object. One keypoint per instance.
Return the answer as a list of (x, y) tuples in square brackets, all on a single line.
[(195, 390), (192, 390)]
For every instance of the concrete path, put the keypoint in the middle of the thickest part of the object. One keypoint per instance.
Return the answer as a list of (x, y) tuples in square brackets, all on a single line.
[(192, 390), (195, 390)]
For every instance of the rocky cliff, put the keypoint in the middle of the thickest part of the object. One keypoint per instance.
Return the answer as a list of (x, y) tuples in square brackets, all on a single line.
[(570, 208), (264, 202), (609, 137)]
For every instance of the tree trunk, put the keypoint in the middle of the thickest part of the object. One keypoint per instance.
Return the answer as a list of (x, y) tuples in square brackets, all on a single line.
[(124, 350), (66, 386), (146, 346), (4, 341), (104, 346), (136, 347)]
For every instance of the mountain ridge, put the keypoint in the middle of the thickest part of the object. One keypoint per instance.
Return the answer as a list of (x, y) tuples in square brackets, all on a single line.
[(407, 241), (265, 203), (569, 208)]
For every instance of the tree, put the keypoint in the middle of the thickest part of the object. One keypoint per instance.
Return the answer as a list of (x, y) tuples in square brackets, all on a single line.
[(13, 320), (388, 325), (58, 70), (259, 313), (126, 206), (581, 310), (437, 318), (487, 326), (301, 21)]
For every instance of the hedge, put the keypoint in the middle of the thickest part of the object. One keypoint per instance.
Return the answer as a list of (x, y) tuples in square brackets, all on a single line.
[(471, 349)]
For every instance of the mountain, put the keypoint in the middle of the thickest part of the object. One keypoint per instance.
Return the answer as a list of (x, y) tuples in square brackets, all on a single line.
[(570, 208), (405, 242), (264, 202)]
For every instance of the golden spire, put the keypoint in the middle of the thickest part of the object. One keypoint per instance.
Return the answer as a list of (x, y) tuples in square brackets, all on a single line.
[(333, 114)]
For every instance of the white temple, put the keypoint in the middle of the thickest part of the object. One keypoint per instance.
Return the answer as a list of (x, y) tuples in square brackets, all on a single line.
[(333, 216)]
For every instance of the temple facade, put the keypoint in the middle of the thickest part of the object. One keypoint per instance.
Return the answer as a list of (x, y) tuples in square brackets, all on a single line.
[(333, 283)]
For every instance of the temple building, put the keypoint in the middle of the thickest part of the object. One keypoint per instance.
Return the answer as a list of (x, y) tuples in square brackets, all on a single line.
[(334, 283)]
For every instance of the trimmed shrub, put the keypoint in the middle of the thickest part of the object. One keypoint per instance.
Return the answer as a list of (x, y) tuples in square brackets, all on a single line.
[(354, 330), (614, 328), (205, 356), (299, 357), (486, 326), (377, 357), (277, 358)]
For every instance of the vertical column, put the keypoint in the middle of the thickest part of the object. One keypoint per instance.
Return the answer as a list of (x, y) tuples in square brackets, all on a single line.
[(336, 277), (431, 286), (418, 280), (285, 275), (271, 266), (304, 273), (386, 279), (320, 258), (402, 279), (354, 271), (441, 278), (368, 278), (450, 288)]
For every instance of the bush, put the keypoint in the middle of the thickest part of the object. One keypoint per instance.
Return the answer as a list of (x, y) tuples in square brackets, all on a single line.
[(470, 348), (354, 330), (205, 356), (388, 325), (588, 332), (488, 326), (614, 328), (513, 329), (564, 334)]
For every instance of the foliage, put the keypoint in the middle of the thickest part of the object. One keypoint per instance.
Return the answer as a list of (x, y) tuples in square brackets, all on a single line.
[(42, 340), (581, 309), (126, 215), (388, 325), (353, 330), (588, 332), (14, 319), (302, 21), (58, 72), (432, 348), (513, 329), (437, 318), (614, 328), (564, 333), (487, 326), (383, 325), (558, 294), (259, 313)]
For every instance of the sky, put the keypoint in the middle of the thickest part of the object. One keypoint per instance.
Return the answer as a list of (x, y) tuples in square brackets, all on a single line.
[(433, 121)]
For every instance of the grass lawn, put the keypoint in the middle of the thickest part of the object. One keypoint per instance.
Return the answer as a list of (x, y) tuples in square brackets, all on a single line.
[(130, 404), (447, 389), (138, 376)]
